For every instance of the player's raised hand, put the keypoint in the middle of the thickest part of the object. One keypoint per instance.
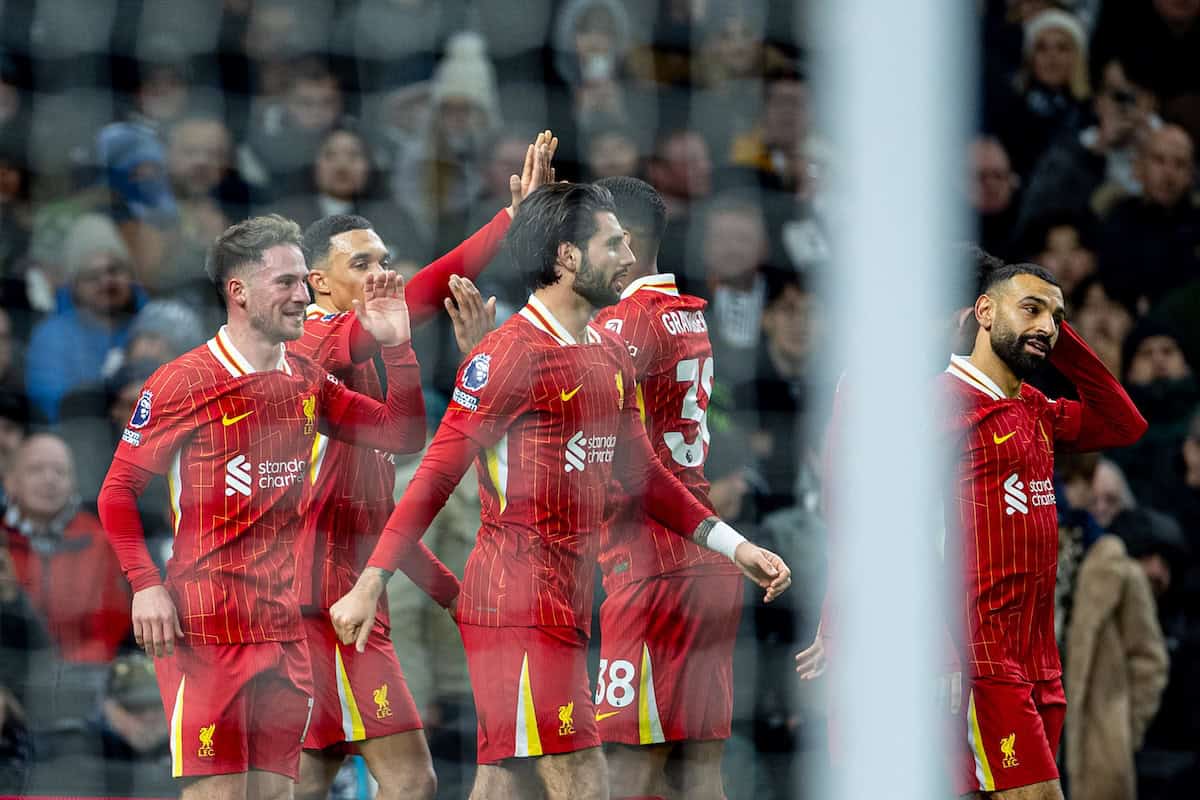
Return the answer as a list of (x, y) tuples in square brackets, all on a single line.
[(538, 169), (764, 568), (471, 317), (155, 621), (384, 311), (811, 661)]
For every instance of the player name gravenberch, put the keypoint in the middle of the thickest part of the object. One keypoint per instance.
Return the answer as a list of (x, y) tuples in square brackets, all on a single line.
[(677, 322)]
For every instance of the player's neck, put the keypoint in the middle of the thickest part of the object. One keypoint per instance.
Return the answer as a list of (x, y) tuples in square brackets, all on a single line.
[(986, 361), (326, 304), (571, 310), (261, 352)]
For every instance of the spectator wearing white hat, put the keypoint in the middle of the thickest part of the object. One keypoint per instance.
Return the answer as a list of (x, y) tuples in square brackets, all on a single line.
[(1049, 95), (438, 174)]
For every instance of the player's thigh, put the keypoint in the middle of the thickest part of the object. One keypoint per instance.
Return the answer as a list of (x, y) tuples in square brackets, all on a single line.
[(401, 764), (580, 775), (318, 768), (696, 769), (508, 779), (215, 787), (280, 708), (262, 785), (1046, 790), (636, 770)]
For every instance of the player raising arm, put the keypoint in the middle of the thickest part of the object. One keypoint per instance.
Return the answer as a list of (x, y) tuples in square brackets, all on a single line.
[(1002, 525), (232, 424), (545, 408), (352, 489)]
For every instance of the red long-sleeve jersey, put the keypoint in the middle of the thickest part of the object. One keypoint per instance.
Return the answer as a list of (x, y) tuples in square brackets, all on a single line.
[(235, 445), (351, 487), (548, 422), (1001, 516)]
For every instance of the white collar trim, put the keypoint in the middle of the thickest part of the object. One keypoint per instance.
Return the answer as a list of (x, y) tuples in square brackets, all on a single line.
[(962, 368), (662, 282), (222, 348)]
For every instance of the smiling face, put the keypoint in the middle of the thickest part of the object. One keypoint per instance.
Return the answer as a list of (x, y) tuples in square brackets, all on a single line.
[(1023, 317), (274, 293)]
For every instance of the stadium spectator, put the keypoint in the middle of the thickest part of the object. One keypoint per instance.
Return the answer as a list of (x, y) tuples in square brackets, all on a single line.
[(134, 166), (1065, 244), (1110, 493), (784, 131), (62, 559), (1162, 36), (1148, 242), (1102, 321), (733, 256), (1086, 172), (992, 193), (25, 650), (1115, 667), (612, 148), (344, 180), (1047, 98), (590, 41), (681, 169), (209, 194), (438, 174), (286, 132), (92, 323), (773, 405)]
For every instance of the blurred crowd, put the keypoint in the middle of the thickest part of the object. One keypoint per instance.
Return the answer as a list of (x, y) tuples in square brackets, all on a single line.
[(132, 132)]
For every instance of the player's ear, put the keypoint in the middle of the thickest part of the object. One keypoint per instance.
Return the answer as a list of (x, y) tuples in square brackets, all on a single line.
[(318, 282), (985, 311), (235, 290), (568, 256)]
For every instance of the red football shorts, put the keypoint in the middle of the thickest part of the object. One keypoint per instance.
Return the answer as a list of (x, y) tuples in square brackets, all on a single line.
[(356, 695), (236, 707), (531, 691), (666, 659), (1010, 734)]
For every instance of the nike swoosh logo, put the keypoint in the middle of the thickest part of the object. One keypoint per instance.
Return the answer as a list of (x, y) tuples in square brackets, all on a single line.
[(227, 420), (606, 715), (565, 396), (1004, 438)]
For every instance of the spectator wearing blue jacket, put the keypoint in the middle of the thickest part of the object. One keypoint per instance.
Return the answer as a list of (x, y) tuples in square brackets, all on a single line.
[(91, 323)]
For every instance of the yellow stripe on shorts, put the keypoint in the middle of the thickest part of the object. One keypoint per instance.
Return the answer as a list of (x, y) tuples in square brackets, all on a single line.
[(983, 770), (529, 743), (352, 724), (177, 732), (649, 725)]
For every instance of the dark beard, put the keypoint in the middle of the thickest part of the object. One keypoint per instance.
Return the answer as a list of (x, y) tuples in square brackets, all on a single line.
[(591, 286), (1011, 349)]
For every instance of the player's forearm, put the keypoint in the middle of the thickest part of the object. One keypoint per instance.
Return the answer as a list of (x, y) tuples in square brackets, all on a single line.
[(449, 456), (1108, 416), (397, 425), (431, 286), (117, 504)]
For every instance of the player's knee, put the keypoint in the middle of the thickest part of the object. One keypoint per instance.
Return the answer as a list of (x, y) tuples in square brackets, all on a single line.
[(418, 783)]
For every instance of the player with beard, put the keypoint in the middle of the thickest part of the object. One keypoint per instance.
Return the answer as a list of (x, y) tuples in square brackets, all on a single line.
[(545, 407), (1002, 524)]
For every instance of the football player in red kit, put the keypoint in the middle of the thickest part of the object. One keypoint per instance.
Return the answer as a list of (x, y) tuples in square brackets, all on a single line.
[(668, 624), (232, 424), (1002, 524), (545, 408), (362, 699)]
